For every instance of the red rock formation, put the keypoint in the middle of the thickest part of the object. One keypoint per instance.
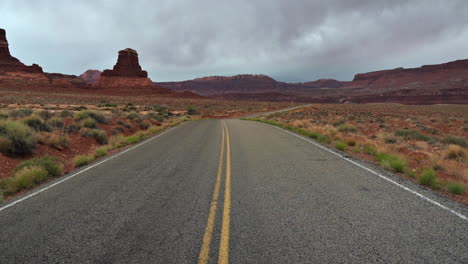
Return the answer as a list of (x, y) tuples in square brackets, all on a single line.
[(90, 76), (9, 63), (126, 74), (442, 83), (127, 66)]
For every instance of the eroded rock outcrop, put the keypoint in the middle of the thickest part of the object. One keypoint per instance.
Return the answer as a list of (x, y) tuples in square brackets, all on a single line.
[(9, 63), (127, 73)]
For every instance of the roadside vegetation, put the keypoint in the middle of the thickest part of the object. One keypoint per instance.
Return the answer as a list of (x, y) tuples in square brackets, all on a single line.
[(426, 144), (37, 145)]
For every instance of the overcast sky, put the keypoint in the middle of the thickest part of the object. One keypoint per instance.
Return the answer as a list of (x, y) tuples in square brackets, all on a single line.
[(295, 40)]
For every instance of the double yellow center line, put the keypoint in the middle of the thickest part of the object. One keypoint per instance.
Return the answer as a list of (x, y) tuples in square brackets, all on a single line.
[(223, 256)]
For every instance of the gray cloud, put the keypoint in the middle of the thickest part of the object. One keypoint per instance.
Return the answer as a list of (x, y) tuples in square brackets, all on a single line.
[(290, 40)]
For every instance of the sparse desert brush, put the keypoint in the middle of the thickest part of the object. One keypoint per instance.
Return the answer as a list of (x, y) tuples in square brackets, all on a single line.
[(324, 139), (428, 177), (16, 138), (340, 145), (408, 134), (100, 152), (192, 110), (96, 115), (98, 134), (36, 122), (298, 123), (117, 141), (56, 122), (45, 114), (455, 152), (22, 112), (347, 128), (155, 129), (331, 131), (456, 188), (132, 139), (369, 149), (24, 179), (50, 164), (455, 141), (391, 161), (144, 125), (89, 122), (133, 116), (81, 160), (66, 114)]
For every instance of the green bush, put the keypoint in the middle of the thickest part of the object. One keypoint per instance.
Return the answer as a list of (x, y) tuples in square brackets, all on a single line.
[(96, 115), (145, 125), (347, 128), (160, 108), (45, 114), (98, 134), (456, 188), (36, 123), (191, 110), (389, 161), (408, 134), (340, 145), (23, 112), (369, 149), (132, 139), (16, 138), (133, 115), (50, 164), (100, 152), (428, 177), (24, 179), (324, 139), (455, 141), (66, 114), (81, 160), (56, 122), (89, 123), (351, 142)]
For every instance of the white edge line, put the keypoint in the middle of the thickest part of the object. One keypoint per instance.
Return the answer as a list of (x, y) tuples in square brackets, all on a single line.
[(378, 174), (83, 170)]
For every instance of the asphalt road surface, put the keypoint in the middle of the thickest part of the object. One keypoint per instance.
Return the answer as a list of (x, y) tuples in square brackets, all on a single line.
[(231, 191)]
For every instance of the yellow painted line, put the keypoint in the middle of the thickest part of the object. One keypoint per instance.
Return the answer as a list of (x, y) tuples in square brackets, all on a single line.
[(225, 229), (204, 255)]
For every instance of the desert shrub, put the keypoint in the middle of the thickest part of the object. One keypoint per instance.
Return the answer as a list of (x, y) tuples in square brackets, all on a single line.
[(410, 173), (16, 138), (45, 114), (154, 130), (117, 141), (98, 134), (96, 115), (408, 134), (56, 122), (35, 122), (351, 142), (338, 123), (72, 128), (389, 161), (25, 179), (100, 152), (132, 139), (340, 145), (133, 116), (110, 105), (155, 116), (192, 110), (89, 123), (428, 177), (81, 160), (324, 139), (347, 128), (66, 114), (58, 141), (50, 164), (456, 188), (369, 149), (23, 112), (455, 152), (3, 115), (390, 140), (455, 141), (142, 135), (124, 124), (314, 135), (160, 108)]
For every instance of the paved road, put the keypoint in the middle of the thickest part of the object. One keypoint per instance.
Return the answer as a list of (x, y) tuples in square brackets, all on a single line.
[(273, 198)]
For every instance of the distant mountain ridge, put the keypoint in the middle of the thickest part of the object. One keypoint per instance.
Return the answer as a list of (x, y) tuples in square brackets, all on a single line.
[(428, 84)]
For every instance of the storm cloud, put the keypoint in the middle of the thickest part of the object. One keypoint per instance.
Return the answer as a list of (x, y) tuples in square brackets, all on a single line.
[(299, 40)]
